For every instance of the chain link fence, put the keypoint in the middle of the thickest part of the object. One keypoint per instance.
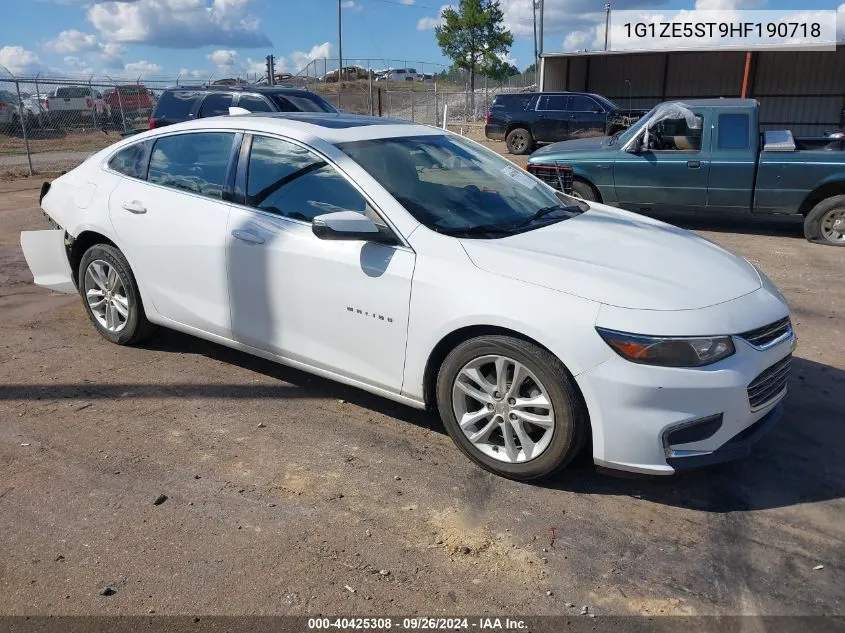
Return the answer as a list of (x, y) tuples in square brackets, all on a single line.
[(52, 123)]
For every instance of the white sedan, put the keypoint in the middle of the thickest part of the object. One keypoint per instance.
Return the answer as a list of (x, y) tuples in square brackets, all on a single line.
[(420, 266)]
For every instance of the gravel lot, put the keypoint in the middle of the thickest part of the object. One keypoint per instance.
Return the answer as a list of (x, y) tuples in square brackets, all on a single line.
[(289, 494)]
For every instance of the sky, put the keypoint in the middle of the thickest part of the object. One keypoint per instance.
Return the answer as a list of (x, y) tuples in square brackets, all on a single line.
[(225, 38)]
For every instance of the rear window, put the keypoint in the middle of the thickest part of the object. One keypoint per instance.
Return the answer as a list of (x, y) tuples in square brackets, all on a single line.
[(131, 90), (301, 102), (176, 104), (131, 161), (72, 92), (512, 102)]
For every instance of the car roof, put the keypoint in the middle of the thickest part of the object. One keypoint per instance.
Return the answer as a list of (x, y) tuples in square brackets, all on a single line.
[(718, 102), (224, 88), (328, 126)]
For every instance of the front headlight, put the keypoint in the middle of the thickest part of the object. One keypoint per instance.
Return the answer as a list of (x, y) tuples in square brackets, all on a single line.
[(668, 351)]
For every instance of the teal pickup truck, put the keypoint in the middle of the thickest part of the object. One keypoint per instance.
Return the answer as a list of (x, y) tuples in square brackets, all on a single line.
[(706, 154)]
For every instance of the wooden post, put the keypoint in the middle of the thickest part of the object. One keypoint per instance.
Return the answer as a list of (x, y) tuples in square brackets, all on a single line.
[(379, 101), (745, 74)]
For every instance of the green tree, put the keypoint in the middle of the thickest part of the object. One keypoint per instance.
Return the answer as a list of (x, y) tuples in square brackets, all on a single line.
[(500, 71), (474, 35)]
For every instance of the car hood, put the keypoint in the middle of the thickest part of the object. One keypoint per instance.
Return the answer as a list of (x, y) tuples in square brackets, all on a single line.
[(621, 259), (575, 146)]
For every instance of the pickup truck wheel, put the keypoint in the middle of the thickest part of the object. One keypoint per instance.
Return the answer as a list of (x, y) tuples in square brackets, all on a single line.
[(825, 223), (519, 141), (511, 407), (583, 190)]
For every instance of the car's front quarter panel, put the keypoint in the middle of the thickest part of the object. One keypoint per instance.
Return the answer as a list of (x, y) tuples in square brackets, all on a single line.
[(449, 293)]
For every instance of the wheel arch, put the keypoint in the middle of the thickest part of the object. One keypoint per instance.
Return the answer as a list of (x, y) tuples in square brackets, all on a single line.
[(513, 125), (821, 192), (454, 338), (76, 247), (577, 175)]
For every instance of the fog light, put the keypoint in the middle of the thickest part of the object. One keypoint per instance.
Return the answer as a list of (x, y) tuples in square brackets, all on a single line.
[(691, 431)]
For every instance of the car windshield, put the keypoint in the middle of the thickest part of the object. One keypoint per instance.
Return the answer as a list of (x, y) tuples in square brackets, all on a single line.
[(624, 137), (456, 187), (607, 103)]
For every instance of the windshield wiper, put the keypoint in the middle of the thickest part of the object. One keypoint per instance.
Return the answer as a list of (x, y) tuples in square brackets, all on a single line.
[(541, 213), (480, 229)]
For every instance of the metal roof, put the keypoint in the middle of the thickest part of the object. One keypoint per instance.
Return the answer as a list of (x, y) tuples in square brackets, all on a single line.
[(708, 49)]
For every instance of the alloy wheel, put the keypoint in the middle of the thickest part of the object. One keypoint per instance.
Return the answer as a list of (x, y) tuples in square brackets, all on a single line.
[(833, 225), (106, 295), (503, 409)]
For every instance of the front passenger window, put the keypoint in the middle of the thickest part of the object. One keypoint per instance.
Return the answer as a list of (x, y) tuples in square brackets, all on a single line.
[(296, 183)]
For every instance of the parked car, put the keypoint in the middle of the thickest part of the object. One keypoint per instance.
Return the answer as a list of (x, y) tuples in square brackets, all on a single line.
[(77, 105), (425, 78), (536, 320), (524, 119), (10, 113), (707, 154), (398, 74), (131, 101), (350, 73), (196, 102)]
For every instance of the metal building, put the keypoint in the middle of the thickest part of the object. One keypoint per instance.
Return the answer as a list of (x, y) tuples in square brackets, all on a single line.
[(801, 90)]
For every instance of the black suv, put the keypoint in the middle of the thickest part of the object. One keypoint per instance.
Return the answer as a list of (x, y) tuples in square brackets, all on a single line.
[(523, 119), (196, 102)]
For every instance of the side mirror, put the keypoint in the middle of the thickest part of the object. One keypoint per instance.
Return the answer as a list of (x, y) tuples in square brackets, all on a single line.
[(347, 225)]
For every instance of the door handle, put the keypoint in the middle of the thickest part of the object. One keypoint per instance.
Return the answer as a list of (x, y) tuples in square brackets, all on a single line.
[(134, 206), (693, 164), (247, 236)]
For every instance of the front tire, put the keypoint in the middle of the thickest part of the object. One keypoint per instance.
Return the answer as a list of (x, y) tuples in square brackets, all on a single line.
[(583, 190), (825, 223), (519, 141), (110, 295), (511, 407)]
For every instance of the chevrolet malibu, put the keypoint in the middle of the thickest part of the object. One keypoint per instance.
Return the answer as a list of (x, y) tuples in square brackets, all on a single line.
[(420, 266)]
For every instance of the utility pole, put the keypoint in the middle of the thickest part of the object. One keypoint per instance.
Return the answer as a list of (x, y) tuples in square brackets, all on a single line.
[(339, 45), (271, 70), (606, 23), (536, 56), (540, 80)]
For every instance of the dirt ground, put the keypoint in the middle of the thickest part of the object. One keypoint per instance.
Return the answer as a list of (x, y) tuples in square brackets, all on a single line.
[(289, 494)]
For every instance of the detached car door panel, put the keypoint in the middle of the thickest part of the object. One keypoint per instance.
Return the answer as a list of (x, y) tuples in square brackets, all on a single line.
[(173, 227), (340, 306)]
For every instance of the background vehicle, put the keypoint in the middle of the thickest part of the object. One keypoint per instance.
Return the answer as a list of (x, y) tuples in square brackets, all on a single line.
[(299, 238), (133, 100), (350, 73), (708, 155), (77, 104), (10, 112), (196, 102), (399, 74), (524, 119)]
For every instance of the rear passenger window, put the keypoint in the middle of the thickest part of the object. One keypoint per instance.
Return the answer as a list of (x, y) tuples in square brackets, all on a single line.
[(192, 162), (552, 102), (254, 104), (131, 161), (215, 104), (175, 105), (733, 131), (294, 182)]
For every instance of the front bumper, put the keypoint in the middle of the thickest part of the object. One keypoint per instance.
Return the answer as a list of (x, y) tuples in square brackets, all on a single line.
[(633, 408)]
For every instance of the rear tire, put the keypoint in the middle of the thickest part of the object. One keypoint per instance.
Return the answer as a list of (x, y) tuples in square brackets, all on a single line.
[(544, 436), (584, 190), (825, 223), (519, 141), (111, 297)]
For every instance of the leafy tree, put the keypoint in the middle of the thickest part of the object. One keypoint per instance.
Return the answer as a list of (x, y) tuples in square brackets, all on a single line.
[(501, 71), (474, 35), (532, 68)]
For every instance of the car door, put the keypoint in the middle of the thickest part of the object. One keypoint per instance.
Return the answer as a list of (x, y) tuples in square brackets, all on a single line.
[(586, 117), (172, 227), (339, 306), (674, 175), (552, 119)]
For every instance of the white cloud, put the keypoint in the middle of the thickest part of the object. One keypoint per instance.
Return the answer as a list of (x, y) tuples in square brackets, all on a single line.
[(18, 60), (73, 41), (300, 59), (179, 23), (507, 58), (76, 65), (224, 58), (407, 3), (584, 40), (426, 23), (194, 74), (353, 5), (142, 67)]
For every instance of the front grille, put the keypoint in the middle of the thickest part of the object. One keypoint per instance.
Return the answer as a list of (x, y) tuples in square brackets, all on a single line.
[(554, 175), (763, 336), (769, 384)]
